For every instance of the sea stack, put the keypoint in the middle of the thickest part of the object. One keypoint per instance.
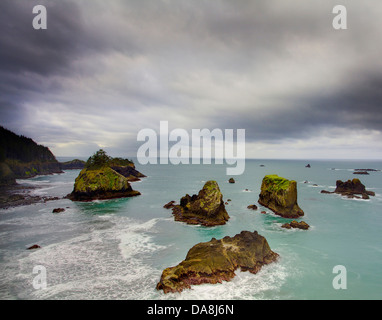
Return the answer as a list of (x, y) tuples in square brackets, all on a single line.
[(98, 181), (100, 184), (280, 195), (216, 261), (207, 208)]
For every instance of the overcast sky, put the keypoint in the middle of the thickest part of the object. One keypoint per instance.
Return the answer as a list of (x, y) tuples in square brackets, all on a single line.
[(103, 70)]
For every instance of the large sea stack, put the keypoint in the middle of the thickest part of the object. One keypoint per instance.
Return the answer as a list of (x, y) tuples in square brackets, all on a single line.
[(280, 195), (207, 208), (216, 261), (99, 181)]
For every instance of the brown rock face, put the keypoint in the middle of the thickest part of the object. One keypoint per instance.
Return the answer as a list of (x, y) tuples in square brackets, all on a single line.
[(216, 261), (351, 189), (280, 195), (207, 208)]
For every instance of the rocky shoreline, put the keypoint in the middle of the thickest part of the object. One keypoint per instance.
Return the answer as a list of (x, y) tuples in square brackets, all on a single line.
[(20, 195)]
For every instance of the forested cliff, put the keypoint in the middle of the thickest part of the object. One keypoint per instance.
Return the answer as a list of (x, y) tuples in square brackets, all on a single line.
[(21, 157)]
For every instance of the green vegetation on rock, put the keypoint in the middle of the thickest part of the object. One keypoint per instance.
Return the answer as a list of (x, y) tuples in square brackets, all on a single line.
[(206, 208), (99, 181), (100, 159), (276, 183), (216, 261), (280, 195)]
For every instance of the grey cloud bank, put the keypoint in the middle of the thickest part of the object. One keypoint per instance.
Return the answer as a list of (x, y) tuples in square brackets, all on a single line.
[(102, 71)]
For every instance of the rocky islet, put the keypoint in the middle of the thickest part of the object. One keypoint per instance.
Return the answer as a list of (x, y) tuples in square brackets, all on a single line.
[(217, 260), (280, 195), (206, 208), (351, 189), (100, 180)]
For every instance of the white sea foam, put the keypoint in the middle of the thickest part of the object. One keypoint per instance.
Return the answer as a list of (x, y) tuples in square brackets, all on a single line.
[(103, 264), (33, 182), (133, 240)]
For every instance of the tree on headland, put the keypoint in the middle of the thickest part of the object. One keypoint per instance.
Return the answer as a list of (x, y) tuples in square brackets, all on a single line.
[(98, 160), (101, 159), (21, 148)]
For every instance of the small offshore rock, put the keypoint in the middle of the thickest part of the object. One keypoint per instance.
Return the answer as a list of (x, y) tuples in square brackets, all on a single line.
[(295, 224), (361, 172), (35, 246), (169, 204), (58, 210), (252, 206), (351, 189)]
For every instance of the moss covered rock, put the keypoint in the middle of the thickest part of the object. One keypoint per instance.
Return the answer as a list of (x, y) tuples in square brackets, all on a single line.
[(207, 208), (102, 183), (280, 195), (216, 261)]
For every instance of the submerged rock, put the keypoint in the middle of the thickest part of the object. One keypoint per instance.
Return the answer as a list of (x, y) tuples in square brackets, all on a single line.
[(280, 195), (102, 183), (361, 172), (216, 261), (207, 208), (351, 189)]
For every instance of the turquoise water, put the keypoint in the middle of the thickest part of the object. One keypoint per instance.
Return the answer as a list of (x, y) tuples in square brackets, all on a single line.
[(117, 249)]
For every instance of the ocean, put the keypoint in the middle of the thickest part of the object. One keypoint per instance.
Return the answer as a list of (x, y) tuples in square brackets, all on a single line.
[(117, 249)]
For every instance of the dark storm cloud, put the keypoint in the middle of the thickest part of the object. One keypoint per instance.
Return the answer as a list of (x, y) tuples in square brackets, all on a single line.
[(356, 106), (43, 52), (103, 70)]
